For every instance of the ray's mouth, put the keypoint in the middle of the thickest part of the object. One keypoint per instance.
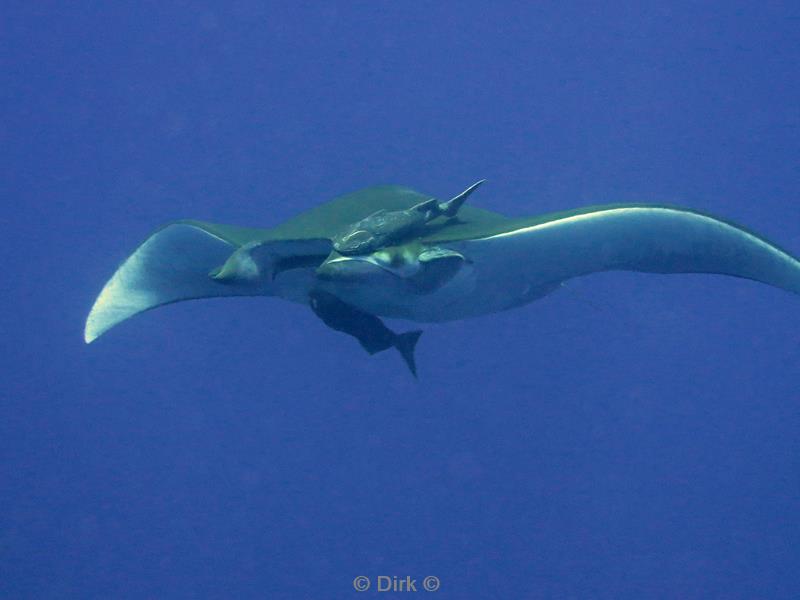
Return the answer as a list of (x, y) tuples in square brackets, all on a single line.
[(352, 268)]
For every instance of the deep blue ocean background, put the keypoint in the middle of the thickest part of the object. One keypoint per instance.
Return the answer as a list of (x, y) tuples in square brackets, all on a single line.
[(631, 436)]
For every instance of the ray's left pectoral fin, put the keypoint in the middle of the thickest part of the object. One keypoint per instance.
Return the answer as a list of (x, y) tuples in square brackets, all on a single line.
[(645, 238)]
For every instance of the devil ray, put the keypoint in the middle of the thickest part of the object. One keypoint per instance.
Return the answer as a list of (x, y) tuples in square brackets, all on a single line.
[(390, 251)]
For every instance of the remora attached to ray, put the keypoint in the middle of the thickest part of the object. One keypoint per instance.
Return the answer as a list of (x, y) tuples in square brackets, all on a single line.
[(430, 263)]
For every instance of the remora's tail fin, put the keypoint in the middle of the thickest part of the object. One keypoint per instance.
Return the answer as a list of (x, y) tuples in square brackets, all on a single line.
[(405, 344), (173, 264), (450, 208)]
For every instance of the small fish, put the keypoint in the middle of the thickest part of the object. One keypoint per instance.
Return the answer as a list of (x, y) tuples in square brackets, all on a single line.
[(368, 329)]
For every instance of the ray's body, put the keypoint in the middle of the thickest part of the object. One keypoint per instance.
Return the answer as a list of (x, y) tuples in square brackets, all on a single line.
[(431, 264)]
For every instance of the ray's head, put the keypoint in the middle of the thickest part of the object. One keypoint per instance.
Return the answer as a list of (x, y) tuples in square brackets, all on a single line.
[(413, 266), (397, 261)]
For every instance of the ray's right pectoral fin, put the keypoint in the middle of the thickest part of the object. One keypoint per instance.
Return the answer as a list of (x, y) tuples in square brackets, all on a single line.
[(169, 266), (185, 260)]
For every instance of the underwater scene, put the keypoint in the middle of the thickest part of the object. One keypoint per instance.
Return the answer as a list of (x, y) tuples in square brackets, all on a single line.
[(374, 299)]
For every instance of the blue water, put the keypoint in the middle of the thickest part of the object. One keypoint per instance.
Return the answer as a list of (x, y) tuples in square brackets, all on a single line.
[(632, 436)]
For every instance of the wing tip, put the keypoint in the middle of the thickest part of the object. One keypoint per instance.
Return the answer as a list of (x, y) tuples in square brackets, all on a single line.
[(89, 336), (91, 330)]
